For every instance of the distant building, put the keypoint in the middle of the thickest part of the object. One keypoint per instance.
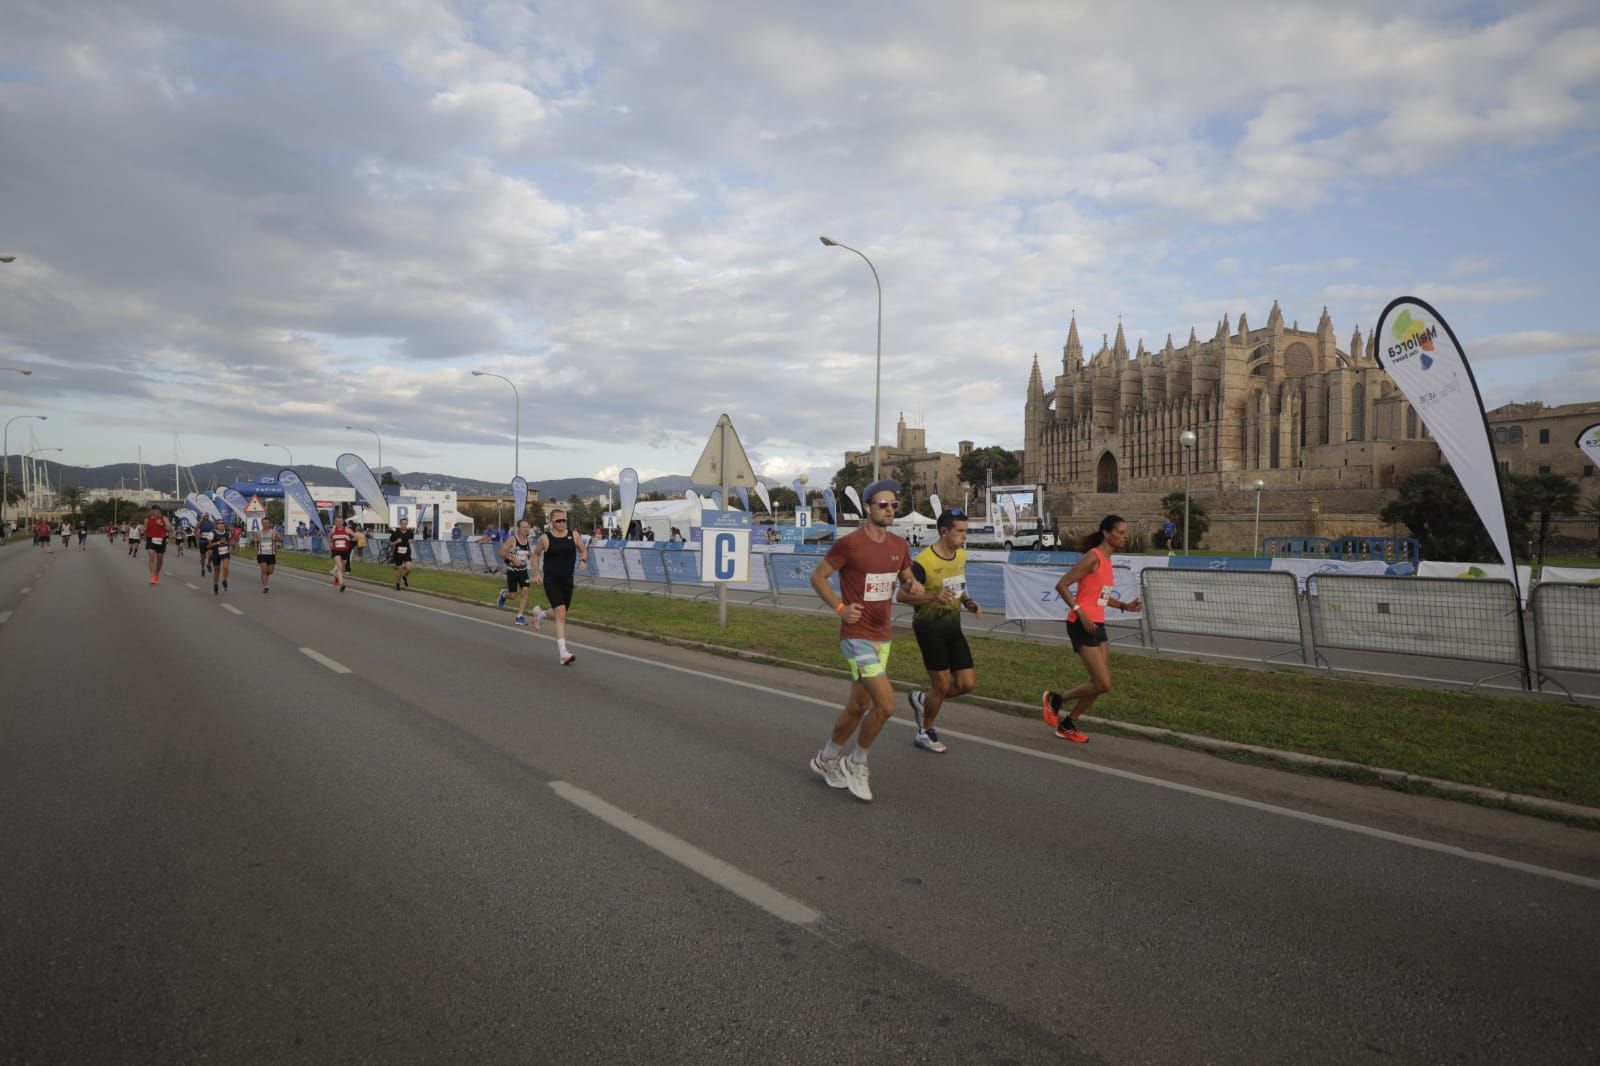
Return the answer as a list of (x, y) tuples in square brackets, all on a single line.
[(1535, 438), (929, 472)]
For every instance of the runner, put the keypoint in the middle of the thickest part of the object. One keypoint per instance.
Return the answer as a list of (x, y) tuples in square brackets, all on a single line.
[(111, 532), (566, 551), (942, 569), (208, 532), (267, 552), (400, 552), (1086, 624), (182, 535), (221, 561), (83, 534), (135, 531), (66, 534), (340, 541), (515, 553), (41, 535), (156, 532), (869, 562)]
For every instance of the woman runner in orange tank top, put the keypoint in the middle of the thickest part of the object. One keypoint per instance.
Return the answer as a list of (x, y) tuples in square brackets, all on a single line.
[(1086, 624)]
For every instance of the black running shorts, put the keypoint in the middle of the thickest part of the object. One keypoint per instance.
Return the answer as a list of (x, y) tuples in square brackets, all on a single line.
[(267, 560), (516, 580), (159, 549), (559, 591), (942, 643), (1086, 633)]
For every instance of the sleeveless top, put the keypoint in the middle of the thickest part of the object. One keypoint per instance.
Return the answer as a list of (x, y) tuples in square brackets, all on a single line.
[(1094, 589), (561, 557)]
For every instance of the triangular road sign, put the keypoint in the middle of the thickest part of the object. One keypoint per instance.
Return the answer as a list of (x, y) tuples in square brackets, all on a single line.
[(724, 462)]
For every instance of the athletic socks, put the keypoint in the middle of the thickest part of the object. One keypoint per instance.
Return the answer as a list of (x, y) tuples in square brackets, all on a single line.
[(831, 751), (858, 757)]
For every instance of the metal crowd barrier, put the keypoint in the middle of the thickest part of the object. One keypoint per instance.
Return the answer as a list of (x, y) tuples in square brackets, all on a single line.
[(1258, 605), (1566, 622), (1433, 617)]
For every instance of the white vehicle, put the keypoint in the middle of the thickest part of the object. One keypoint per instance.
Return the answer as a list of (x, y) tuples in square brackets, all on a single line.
[(1026, 537)]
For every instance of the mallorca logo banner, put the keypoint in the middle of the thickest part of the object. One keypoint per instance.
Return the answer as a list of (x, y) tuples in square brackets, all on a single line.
[(296, 490), (1422, 355), (355, 470), (519, 499), (1589, 444)]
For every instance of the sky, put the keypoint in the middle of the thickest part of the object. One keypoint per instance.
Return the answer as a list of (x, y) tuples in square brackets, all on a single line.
[(250, 223)]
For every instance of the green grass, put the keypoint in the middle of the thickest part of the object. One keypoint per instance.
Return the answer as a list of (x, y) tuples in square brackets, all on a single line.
[(1533, 747)]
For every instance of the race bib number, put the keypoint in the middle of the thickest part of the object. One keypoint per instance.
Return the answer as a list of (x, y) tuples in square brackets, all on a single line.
[(1105, 595), (957, 585), (222, 549), (158, 540), (879, 587)]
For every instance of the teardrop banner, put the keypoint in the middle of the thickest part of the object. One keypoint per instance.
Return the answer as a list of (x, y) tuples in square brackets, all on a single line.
[(829, 501), (234, 500), (224, 509), (716, 499), (764, 496), (799, 495), (296, 490), (744, 495), (519, 499), (854, 497), (1420, 352), (938, 508), (207, 506), (627, 496), (694, 498), (1589, 443), (355, 470)]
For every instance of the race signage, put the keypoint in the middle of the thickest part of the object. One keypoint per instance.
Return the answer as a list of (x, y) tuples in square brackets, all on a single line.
[(724, 546)]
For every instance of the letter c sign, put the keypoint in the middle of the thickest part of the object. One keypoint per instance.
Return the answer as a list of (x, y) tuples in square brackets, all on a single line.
[(725, 555)]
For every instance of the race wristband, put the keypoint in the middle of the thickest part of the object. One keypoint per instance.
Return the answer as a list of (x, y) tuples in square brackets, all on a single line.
[(838, 608)]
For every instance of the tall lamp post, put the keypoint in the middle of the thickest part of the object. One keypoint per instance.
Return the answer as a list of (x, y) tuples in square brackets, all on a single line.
[(1256, 548), (364, 429), (1187, 439), (516, 470), (5, 468), (290, 454), (877, 376)]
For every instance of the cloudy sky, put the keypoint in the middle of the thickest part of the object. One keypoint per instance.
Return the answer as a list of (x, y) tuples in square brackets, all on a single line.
[(262, 221)]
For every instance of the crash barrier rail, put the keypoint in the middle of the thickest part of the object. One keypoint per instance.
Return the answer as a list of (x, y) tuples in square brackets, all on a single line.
[(1440, 618), (1566, 619), (1386, 549), (1259, 605), (1307, 606)]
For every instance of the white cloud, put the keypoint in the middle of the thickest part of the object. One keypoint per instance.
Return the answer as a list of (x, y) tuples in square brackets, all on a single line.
[(1531, 342)]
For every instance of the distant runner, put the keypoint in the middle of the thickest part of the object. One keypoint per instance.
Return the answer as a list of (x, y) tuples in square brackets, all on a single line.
[(870, 562), (267, 552), (1086, 624), (135, 531), (341, 541), (221, 561), (156, 533), (555, 565), (400, 552), (942, 569), (515, 551)]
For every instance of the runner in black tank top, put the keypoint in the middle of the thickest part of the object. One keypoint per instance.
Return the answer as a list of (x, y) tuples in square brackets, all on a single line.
[(555, 564), (516, 553)]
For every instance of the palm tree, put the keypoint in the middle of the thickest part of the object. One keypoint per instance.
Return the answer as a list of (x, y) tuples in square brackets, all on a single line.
[(1591, 511), (1546, 495), (71, 497)]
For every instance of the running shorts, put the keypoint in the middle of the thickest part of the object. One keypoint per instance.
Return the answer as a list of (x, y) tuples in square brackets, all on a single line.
[(267, 559), (516, 580), (1085, 633), (867, 658), (559, 591), (343, 555), (942, 643), (157, 545)]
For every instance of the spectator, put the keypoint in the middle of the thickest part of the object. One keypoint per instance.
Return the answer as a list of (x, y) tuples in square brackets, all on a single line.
[(677, 535)]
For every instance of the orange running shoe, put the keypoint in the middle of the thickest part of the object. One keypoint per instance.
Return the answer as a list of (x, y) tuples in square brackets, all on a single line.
[(1050, 705), (1068, 731)]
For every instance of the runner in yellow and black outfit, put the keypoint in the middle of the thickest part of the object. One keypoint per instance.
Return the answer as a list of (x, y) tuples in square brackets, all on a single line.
[(941, 567)]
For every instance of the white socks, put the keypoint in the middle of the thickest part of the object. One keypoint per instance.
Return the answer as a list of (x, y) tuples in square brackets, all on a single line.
[(561, 647)]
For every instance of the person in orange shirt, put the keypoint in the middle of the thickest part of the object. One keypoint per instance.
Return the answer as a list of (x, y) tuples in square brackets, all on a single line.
[(1086, 624), (156, 533)]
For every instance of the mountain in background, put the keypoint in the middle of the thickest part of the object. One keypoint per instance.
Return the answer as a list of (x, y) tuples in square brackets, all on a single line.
[(205, 476)]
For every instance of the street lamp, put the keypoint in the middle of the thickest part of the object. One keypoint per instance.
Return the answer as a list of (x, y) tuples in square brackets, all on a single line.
[(5, 468), (7, 257), (1187, 439), (517, 465), (1259, 486), (877, 377), (364, 429), (289, 453)]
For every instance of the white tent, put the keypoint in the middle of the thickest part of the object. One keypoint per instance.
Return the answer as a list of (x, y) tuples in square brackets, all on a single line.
[(662, 515)]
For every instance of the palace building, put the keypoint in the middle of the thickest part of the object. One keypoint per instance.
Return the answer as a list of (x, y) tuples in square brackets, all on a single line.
[(1324, 428)]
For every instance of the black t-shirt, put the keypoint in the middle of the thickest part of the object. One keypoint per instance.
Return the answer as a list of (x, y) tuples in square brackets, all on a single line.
[(560, 557), (400, 543)]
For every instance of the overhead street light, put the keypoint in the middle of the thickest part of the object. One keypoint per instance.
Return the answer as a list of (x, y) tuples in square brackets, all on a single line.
[(7, 257), (364, 429), (877, 377), (1256, 550), (516, 469), (5, 467), (1187, 439), (289, 453)]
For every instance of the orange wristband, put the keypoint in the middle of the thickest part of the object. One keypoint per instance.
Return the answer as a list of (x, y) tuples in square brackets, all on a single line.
[(838, 608)]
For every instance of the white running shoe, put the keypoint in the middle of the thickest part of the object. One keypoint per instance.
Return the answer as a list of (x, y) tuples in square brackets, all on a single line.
[(916, 700), (928, 740), (829, 770), (856, 776), (538, 617), (568, 659)]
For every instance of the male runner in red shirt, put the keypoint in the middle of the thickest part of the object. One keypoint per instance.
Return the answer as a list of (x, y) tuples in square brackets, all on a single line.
[(156, 532)]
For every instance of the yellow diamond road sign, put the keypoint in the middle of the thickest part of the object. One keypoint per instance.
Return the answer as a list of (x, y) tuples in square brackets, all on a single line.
[(724, 461)]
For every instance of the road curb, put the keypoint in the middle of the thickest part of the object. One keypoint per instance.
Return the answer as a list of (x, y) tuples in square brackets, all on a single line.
[(1398, 779)]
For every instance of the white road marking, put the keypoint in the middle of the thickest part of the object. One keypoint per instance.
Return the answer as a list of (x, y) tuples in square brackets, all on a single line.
[(1126, 775), (686, 854), (230, 608), (189, 586), (5, 616), (338, 668)]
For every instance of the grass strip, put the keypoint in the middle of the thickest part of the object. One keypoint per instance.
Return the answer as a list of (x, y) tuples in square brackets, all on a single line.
[(1533, 747)]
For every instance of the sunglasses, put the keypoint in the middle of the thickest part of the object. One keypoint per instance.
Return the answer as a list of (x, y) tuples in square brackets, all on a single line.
[(558, 521), (887, 505)]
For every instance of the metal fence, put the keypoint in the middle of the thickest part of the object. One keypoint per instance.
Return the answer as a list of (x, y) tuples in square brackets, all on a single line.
[(1567, 626), (1258, 605)]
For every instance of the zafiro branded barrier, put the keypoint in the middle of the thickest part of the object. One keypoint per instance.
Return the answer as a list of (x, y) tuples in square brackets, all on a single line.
[(1259, 605), (1437, 617)]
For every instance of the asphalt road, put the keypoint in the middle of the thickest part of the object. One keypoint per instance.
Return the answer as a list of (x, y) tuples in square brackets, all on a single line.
[(220, 848)]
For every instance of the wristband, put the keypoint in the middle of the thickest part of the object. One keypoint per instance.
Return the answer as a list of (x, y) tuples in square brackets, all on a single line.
[(838, 608)]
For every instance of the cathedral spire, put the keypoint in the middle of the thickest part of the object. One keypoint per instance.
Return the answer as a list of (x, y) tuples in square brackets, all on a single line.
[(1072, 354), (1275, 317), (1168, 349), (1035, 381), (1244, 327), (1121, 345)]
